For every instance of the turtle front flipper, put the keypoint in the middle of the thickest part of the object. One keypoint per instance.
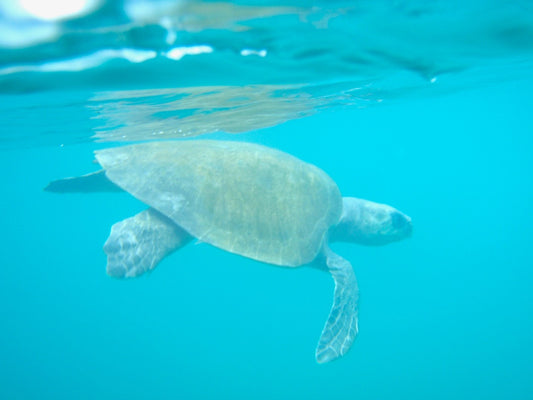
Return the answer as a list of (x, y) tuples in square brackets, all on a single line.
[(137, 244), (341, 327)]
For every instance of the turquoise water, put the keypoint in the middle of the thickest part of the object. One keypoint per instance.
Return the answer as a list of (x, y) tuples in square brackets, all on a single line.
[(447, 313)]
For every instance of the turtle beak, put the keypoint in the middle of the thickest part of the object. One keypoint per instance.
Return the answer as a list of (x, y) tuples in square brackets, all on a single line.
[(402, 223)]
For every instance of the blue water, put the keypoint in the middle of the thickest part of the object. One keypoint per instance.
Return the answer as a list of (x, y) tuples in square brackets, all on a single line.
[(447, 313)]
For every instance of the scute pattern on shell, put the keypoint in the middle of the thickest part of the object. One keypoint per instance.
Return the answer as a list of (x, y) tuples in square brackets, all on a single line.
[(241, 197)]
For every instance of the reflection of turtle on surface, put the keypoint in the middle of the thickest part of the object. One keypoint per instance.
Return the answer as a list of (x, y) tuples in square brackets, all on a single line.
[(244, 198)]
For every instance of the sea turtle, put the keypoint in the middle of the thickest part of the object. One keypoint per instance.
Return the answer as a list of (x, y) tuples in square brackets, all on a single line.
[(244, 198)]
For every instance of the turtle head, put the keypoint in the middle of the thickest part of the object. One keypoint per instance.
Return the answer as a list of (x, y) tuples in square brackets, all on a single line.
[(369, 223)]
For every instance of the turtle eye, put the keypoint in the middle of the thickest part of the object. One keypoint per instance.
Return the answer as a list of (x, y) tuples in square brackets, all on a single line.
[(398, 220)]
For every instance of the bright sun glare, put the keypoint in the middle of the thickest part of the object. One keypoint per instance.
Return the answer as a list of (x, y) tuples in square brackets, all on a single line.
[(57, 9)]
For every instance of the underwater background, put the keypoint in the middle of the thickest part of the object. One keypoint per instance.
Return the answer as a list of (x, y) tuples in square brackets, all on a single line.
[(423, 105)]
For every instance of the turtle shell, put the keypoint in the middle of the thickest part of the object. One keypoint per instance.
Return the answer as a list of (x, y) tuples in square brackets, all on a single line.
[(244, 198)]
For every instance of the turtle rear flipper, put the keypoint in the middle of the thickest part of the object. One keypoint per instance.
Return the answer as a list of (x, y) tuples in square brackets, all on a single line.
[(137, 244), (93, 182)]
